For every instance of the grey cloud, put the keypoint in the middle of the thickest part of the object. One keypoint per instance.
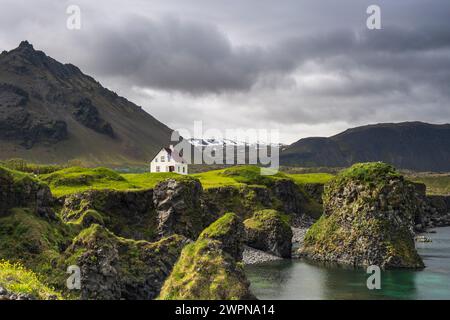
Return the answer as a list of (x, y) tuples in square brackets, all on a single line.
[(258, 63)]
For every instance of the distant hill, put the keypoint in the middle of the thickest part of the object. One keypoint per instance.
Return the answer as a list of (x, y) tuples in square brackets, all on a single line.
[(52, 112), (410, 145)]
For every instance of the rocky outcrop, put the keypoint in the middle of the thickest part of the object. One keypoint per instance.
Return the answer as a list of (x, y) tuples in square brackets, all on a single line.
[(208, 269), (283, 195), (368, 219), (19, 123), (130, 214), (242, 200), (269, 231), (435, 210), (87, 114), (179, 208), (114, 268), (20, 190), (229, 231)]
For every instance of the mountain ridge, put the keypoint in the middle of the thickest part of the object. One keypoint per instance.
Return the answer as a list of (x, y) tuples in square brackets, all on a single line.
[(52, 112), (415, 145)]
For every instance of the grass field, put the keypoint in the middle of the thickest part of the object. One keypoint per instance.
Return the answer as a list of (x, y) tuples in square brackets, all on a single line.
[(437, 184), (311, 177), (78, 179)]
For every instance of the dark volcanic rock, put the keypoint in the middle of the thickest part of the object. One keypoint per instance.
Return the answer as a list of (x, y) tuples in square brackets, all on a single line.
[(269, 231), (20, 190), (368, 219), (208, 269), (130, 214), (179, 208), (18, 123), (229, 231), (87, 114), (114, 268)]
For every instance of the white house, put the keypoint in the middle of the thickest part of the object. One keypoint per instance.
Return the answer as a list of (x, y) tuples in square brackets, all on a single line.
[(169, 160)]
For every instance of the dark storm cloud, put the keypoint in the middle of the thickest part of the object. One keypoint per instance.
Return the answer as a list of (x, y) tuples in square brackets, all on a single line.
[(290, 63), (197, 58)]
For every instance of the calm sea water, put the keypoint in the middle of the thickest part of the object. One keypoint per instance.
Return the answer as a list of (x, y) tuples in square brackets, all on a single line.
[(298, 279)]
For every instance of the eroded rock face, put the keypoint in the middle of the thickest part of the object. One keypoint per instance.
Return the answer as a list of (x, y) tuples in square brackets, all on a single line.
[(229, 231), (19, 190), (435, 210), (87, 114), (179, 208), (269, 231), (286, 191), (130, 214), (368, 219), (207, 269), (114, 268), (19, 123)]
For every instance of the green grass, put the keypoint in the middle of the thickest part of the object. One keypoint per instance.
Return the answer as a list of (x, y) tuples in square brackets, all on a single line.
[(216, 178), (306, 178), (77, 179), (437, 184), (15, 278), (245, 175)]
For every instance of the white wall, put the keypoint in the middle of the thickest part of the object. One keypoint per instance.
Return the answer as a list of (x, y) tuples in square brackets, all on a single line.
[(164, 166)]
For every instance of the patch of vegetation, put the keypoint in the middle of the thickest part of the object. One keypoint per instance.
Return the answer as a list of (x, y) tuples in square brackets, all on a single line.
[(216, 178), (33, 241), (437, 184), (205, 272), (220, 227), (17, 177), (308, 178), (261, 219), (251, 175), (17, 279), (25, 166), (369, 172), (78, 179)]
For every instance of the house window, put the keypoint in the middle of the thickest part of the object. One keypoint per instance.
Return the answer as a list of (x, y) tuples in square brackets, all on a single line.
[(163, 159), (156, 159), (178, 169), (158, 169), (183, 169)]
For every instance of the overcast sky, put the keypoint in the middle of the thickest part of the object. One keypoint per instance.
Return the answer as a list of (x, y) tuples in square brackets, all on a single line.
[(307, 68)]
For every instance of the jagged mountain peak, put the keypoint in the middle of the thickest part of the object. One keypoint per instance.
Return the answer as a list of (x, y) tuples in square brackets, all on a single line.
[(52, 112)]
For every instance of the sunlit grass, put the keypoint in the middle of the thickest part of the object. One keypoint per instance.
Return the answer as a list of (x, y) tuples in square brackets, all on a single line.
[(311, 177), (15, 278)]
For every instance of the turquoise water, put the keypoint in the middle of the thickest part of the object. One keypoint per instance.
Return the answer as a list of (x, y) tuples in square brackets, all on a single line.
[(298, 279)]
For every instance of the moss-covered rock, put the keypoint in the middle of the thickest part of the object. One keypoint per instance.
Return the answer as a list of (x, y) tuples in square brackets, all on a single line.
[(130, 214), (117, 268), (18, 189), (229, 231), (270, 231), (368, 219), (35, 242), (206, 270)]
